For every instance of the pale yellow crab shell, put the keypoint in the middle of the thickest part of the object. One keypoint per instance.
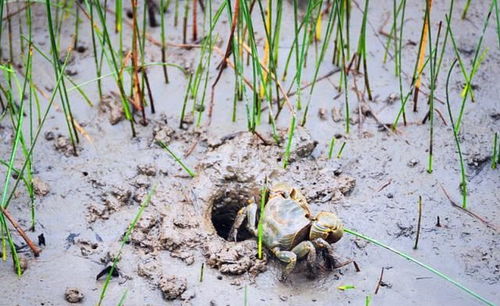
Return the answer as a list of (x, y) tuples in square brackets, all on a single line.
[(284, 190)]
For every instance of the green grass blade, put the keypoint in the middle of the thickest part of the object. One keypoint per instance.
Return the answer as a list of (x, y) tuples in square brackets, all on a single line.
[(423, 265), (177, 159), (125, 239)]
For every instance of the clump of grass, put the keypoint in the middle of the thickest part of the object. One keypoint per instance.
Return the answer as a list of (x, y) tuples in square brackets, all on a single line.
[(68, 114), (392, 33), (17, 117), (301, 53), (7, 240), (475, 65), (341, 11), (97, 64), (176, 158), (115, 65), (319, 60), (361, 52), (258, 81), (423, 265)]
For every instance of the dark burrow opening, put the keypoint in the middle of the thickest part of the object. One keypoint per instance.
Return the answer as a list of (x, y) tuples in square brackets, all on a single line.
[(225, 207)]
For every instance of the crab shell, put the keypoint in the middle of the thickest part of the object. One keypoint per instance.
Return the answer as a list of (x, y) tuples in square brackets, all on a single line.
[(287, 219)]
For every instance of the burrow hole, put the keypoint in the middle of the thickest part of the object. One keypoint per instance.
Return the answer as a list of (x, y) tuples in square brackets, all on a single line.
[(225, 206)]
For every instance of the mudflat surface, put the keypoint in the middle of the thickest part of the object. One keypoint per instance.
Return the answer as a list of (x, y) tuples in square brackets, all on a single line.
[(373, 187)]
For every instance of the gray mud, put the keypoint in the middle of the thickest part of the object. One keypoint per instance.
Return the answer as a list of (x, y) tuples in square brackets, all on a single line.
[(177, 254)]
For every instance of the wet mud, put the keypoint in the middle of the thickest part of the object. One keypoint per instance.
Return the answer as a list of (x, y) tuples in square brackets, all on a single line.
[(179, 251)]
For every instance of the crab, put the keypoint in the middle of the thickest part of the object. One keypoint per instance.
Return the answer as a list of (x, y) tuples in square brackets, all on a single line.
[(290, 231)]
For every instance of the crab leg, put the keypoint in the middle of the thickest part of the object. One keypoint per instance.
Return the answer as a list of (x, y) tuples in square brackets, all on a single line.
[(288, 257), (305, 248), (334, 260), (252, 218), (238, 220), (249, 212)]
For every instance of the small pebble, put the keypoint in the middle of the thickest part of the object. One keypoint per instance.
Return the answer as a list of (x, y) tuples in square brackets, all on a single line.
[(49, 136), (73, 295), (412, 163)]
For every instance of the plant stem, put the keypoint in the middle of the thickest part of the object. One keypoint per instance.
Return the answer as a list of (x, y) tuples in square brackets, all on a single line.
[(177, 159), (418, 222), (463, 183)]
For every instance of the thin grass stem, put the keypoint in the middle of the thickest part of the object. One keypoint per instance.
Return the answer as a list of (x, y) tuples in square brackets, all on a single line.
[(423, 265), (176, 158)]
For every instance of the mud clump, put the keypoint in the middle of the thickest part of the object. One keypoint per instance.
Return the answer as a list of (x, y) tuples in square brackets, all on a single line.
[(110, 202), (63, 144), (40, 187), (146, 232), (148, 268), (180, 243), (234, 258), (111, 104), (73, 295), (162, 132), (87, 247), (146, 169), (302, 144), (172, 287)]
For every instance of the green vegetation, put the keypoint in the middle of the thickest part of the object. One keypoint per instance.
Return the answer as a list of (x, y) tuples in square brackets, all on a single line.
[(271, 72)]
